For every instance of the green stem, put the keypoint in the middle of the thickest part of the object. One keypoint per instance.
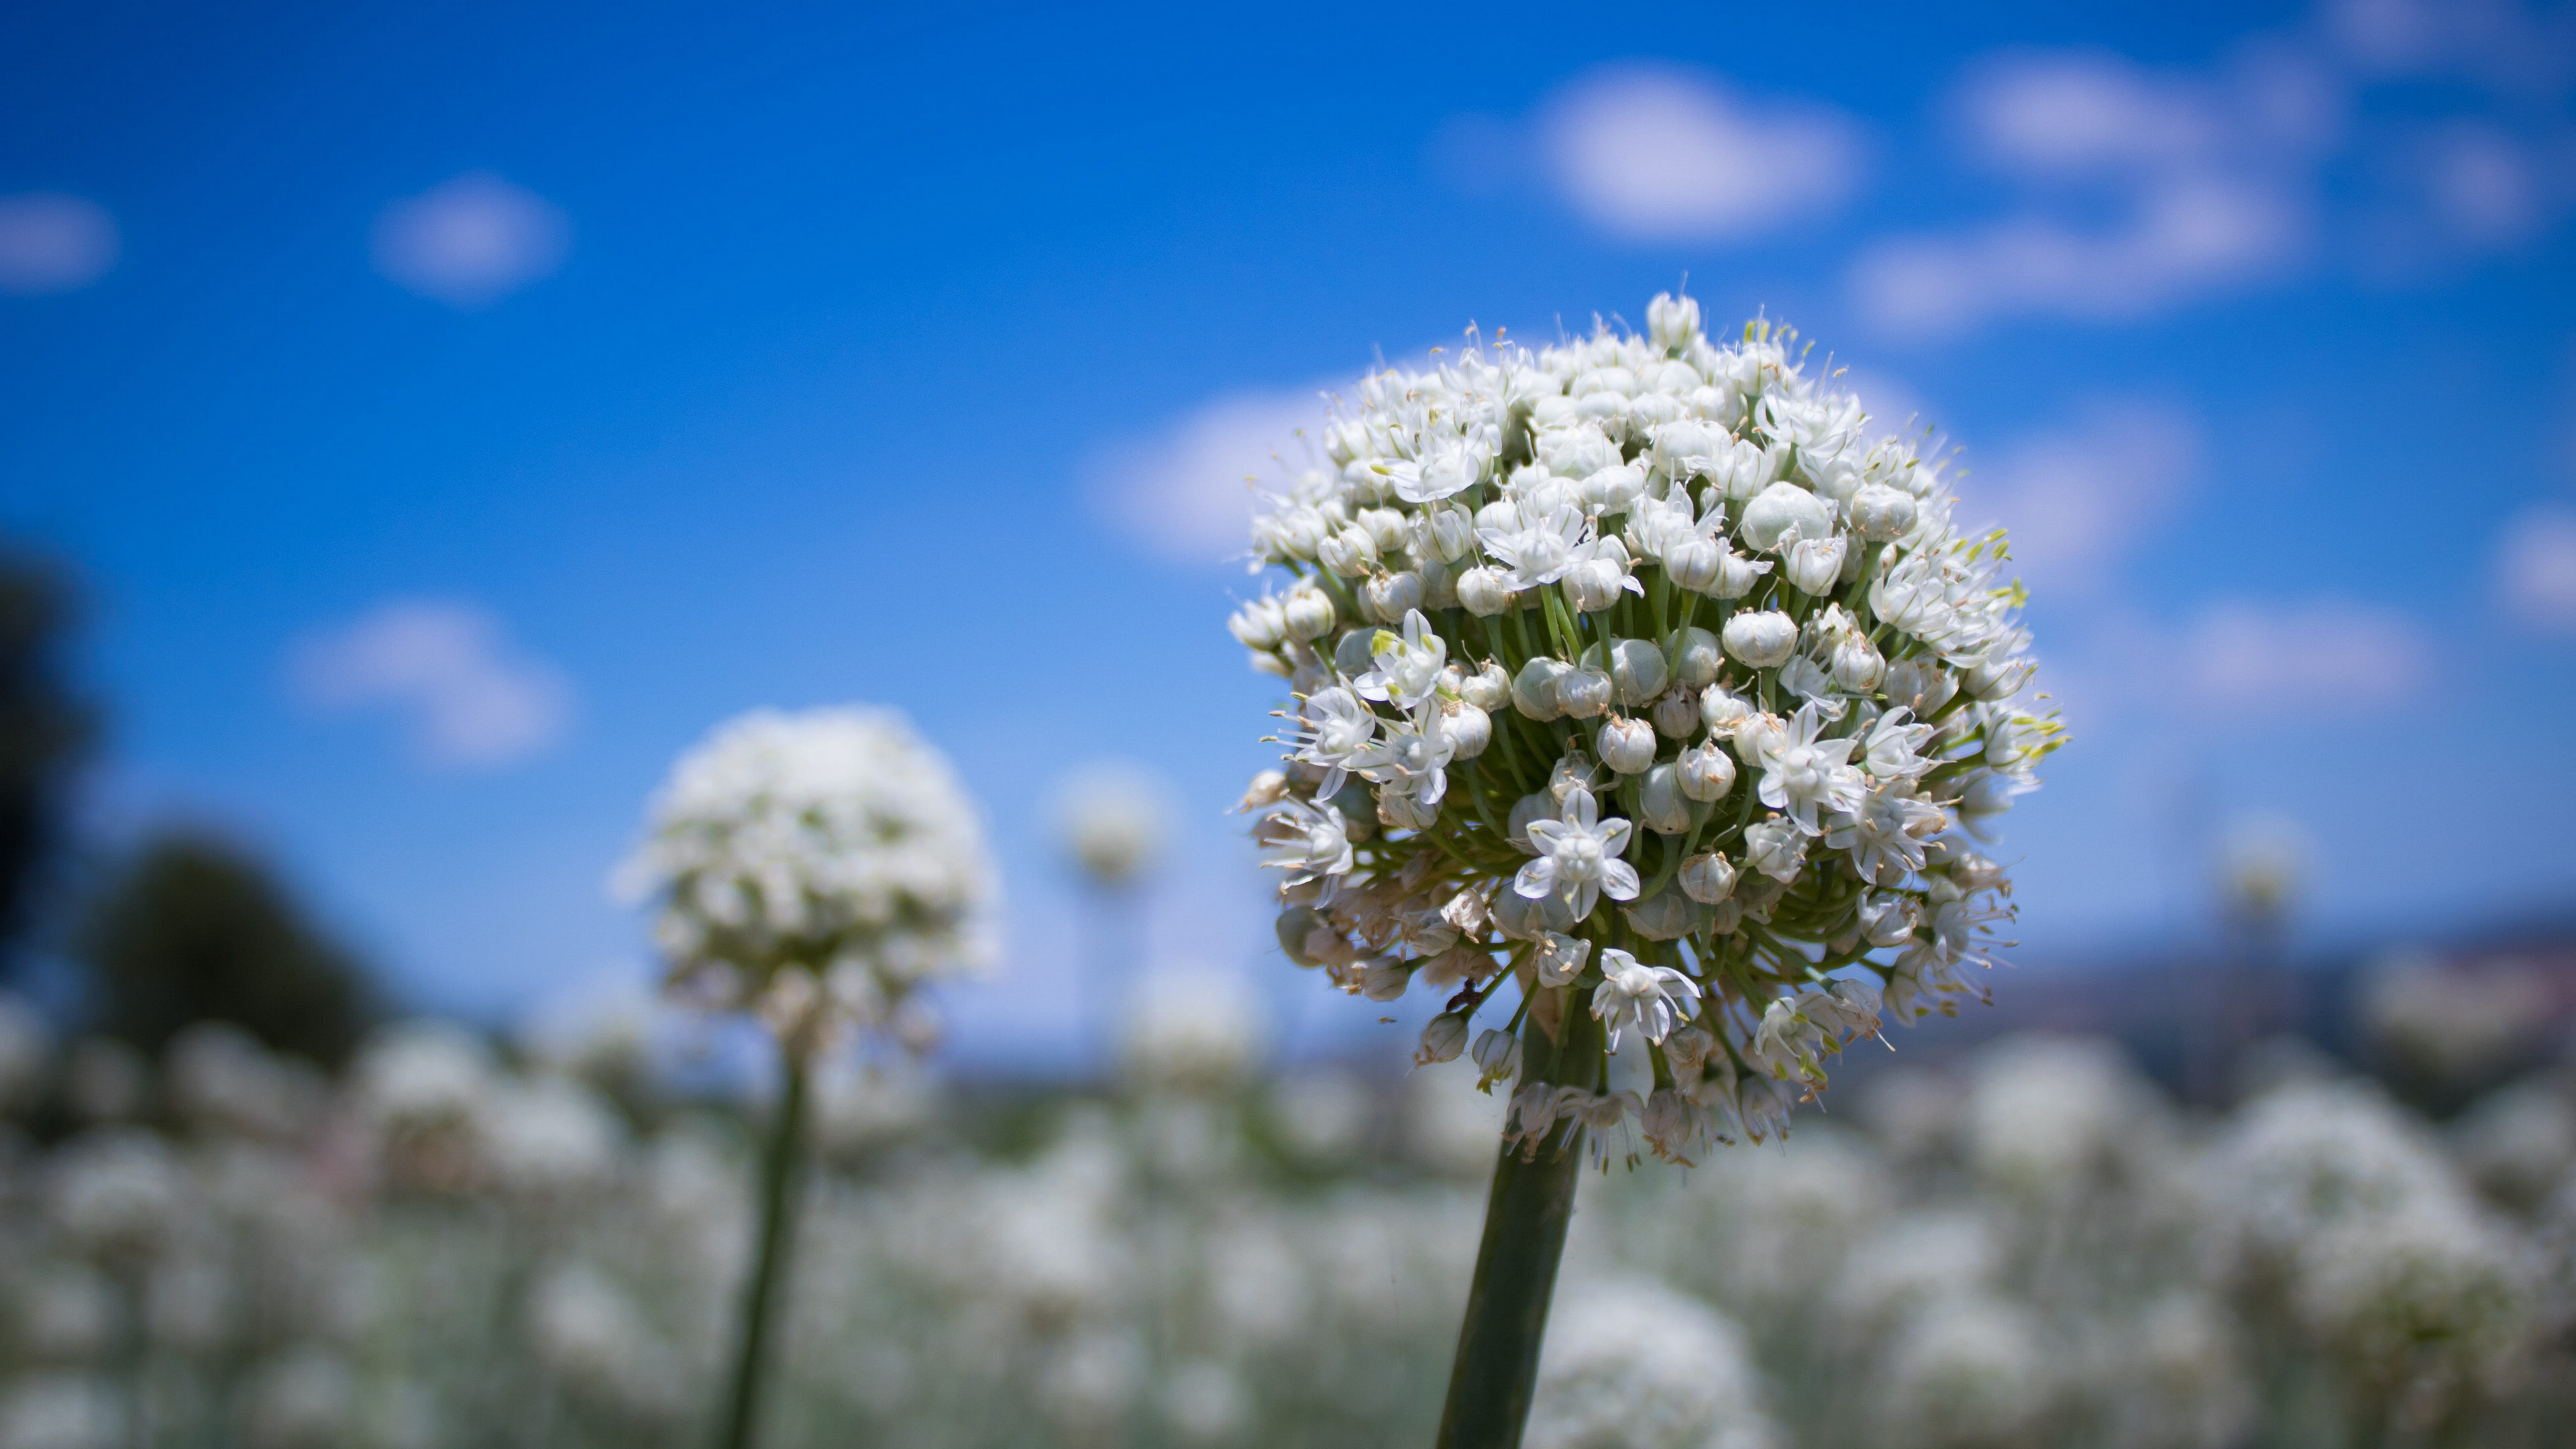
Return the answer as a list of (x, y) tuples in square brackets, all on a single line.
[(779, 1179), (1496, 1372)]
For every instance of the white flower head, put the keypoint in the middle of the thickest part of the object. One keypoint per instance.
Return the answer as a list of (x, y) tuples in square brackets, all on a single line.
[(1624, 612), (831, 835)]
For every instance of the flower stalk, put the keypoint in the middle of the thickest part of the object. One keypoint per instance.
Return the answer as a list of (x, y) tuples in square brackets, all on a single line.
[(781, 1175), (1526, 1215)]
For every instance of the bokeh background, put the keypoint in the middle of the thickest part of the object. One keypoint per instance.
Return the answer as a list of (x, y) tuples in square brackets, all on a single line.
[(419, 424)]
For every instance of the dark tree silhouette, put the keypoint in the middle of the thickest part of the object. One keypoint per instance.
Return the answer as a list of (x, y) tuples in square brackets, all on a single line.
[(195, 930), (45, 735)]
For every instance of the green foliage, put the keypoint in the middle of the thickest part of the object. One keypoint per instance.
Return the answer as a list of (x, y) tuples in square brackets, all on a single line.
[(195, 930), (45, 733)]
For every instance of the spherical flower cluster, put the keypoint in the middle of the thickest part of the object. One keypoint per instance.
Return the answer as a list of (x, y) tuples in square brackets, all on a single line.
[(816, 867), (1635, 668)]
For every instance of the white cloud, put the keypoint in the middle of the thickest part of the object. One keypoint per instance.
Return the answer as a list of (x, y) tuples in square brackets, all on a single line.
[(2503, 43), (1185, 491), (2142, 190), (2079, 499), (466, 698), (2182, 238), (2323, 657), (53, 243), (2136, 191), (471, 241), (1661, 154), (2535, 569)]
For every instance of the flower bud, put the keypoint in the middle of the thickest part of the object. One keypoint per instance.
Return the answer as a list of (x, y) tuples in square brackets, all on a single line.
[(1661, 805), (1737, 575), (1594, 584), (1615, 490), (1355, 653), (1813, 564), (1439, 585), (1667, 915), (1307, 613), (1880, 513), (1295, 924), (1689, 1046), (1488, 689), (1677, 715), (1920, 686), (1398, 808), (1387, 597), (1468, 729), (1776, 847), (1385, 980), (1722, 710), (1350, 553), (1671, 322), (1707, 773), (1534, 689), (1259, 624), (1694, 563), (1777, 510), (1698, 658), (1482, 592), (1291, 532), (1858, 666), (1997, 676), (1267, 788), (1707, 878), (1584, 693), (1626, 745), (1636, 671), (1386, 528), (1443, 1037), (1679, 442), (1447, 533), (1887, 920), (1498, 1054), (1537, 805), (1762, 640)]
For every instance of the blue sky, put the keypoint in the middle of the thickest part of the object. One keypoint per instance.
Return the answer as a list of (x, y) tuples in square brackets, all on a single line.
[(454, 414)]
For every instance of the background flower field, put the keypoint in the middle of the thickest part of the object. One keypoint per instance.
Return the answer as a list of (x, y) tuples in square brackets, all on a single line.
[(458, 1240)]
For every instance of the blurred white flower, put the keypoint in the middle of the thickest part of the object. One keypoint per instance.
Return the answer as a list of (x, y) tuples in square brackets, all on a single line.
[(1115, 818), (1631, 1364), (819, 867), (1192, 1030)]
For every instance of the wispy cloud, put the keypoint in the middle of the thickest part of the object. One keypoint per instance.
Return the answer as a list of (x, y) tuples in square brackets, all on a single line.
[(2535, 569), (53, 243), (2325, 657), (2134, 190), (1656, 153), (2081, 499), (1184, 491), (471, 241), (1662, 154), (466, 698), (2138, 190)]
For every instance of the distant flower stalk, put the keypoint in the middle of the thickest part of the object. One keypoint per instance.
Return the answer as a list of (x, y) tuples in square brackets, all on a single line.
[(817, 869)]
